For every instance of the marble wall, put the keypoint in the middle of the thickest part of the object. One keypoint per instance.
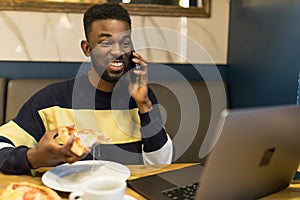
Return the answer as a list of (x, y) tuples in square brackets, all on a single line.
[(39, 36)]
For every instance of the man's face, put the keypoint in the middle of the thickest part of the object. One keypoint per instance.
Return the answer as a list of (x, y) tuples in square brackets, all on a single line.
[(110, 43)]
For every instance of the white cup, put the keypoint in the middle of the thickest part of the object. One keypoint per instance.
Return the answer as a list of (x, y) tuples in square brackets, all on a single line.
[(102, 188)]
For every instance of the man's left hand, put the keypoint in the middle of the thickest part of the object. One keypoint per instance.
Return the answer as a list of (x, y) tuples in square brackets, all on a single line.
[(138, 88)]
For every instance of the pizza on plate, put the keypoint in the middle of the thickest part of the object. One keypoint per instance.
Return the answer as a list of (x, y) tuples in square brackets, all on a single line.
[(84, 139), (28, 191)]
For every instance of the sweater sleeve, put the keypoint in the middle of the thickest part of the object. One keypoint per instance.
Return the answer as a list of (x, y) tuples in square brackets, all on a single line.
[(153, 133), (157, 146), (15, 140), (162, 156), (14, 160)]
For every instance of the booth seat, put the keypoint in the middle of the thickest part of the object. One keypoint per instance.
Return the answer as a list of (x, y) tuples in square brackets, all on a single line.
[(14, 92)]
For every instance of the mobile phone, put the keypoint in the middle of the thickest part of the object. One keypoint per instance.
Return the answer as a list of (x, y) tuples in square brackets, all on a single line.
[(133, 66)]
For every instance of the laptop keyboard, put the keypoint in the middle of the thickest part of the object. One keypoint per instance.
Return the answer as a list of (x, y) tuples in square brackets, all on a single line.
[(182, 193)]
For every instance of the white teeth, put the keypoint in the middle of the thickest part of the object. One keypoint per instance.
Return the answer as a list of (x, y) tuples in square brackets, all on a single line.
[(116, 64)]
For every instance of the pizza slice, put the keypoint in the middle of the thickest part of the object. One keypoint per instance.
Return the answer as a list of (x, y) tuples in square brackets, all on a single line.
[(84, 139), (28, 191)]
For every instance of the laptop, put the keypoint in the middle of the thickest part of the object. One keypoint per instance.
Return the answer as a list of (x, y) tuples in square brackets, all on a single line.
[(256, 153)]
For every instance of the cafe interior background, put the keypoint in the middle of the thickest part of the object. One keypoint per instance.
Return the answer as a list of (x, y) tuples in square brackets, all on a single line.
[(253, 43)]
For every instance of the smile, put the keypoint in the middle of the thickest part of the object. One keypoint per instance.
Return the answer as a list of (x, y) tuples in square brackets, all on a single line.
[(116, 63), (115, 66)]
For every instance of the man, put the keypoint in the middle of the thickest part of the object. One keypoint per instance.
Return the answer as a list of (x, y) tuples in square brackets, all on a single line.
[(106, 100)]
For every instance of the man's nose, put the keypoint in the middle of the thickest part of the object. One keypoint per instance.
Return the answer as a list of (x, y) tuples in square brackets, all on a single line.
[(117, 50)]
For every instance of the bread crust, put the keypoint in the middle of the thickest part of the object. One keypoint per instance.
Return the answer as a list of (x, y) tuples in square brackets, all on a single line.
[(64, 134)]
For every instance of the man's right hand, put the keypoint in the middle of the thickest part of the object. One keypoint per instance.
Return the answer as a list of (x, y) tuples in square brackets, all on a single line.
[(48, 153)]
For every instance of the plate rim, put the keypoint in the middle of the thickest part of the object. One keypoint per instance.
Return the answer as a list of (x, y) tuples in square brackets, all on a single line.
[(61, 188)]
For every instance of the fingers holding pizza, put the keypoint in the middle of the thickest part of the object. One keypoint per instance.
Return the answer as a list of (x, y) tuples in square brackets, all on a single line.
[(65, 144), (82, 140), (67, 137)]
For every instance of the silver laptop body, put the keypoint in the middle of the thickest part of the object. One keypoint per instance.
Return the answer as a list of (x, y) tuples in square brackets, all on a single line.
[(256, 154)]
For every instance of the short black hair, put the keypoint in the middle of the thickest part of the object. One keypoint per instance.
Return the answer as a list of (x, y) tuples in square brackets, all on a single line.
[(104, 11)]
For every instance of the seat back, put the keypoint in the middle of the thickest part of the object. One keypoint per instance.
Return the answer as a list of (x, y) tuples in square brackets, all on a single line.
[(19, 91), (3, 82), (173, 105)]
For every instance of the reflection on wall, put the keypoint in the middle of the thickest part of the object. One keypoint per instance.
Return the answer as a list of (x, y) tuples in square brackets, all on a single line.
[(181, 3), (159, 2)]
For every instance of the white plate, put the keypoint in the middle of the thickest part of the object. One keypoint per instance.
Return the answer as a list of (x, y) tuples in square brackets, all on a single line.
[(70, 177)]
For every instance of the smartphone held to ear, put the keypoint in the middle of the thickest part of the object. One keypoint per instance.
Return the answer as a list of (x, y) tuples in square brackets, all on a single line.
[(133, 66)]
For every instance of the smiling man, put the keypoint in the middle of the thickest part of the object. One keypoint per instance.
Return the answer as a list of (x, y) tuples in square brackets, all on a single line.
[(112, 98)]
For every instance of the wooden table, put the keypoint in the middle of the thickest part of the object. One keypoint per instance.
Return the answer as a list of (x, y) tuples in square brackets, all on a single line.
[(292, 192)]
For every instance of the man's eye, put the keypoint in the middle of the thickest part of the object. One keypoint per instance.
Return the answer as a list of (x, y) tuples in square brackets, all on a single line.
[(105, 43), (126, 44)]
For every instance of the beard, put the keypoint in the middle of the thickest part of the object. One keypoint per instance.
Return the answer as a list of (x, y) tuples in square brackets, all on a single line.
[(111, 79)]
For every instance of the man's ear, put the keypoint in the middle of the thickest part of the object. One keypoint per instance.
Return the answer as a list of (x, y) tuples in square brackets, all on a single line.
[(85, 46)]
